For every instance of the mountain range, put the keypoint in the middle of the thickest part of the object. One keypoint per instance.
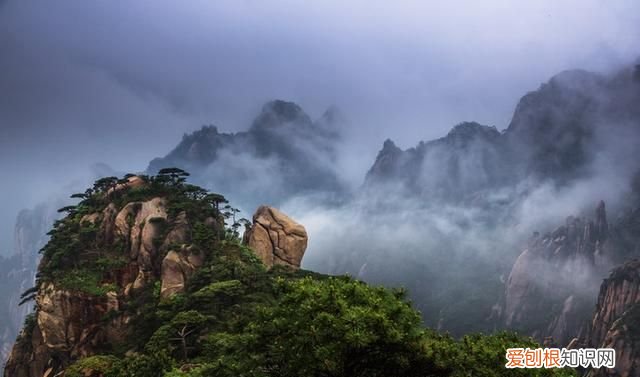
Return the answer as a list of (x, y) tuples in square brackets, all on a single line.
[(488, 229)]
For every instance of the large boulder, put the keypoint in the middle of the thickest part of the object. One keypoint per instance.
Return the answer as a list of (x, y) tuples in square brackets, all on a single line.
[(276, 238)]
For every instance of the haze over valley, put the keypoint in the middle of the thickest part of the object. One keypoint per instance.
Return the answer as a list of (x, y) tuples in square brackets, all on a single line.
[(492, 172)]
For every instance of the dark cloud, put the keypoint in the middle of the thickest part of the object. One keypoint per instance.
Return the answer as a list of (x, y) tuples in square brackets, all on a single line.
[(120, 82)]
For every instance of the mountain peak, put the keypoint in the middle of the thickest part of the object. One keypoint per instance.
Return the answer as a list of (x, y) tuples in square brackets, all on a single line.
[(574, 77), (389, 146), (467, 131), (333, 115), (278, 112), (386, 162)]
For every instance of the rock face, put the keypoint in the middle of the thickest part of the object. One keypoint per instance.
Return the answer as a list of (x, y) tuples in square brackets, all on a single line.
[(177, 268), (282, 142), (555, 134), (73, 323), (139, 225), (553, 283), (616, 321), (470, 154), (276, 238), (153, 245), (181, 263)]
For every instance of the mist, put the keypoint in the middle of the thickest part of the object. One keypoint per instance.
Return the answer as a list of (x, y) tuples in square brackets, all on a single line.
[(119, 83)]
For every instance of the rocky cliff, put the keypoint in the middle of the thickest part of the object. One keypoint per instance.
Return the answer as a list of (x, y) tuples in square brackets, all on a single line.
[(569, 142), (558, 133), (85, 283), (125, 240), (616, 321), (553, 283)]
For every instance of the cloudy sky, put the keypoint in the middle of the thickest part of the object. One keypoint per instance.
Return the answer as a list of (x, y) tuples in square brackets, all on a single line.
[(119, 82)]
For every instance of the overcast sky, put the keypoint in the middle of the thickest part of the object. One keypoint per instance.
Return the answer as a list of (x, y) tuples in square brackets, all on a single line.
[(119, 82)]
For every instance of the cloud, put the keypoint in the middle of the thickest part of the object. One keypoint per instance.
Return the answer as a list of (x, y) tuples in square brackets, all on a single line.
[(120, 82)]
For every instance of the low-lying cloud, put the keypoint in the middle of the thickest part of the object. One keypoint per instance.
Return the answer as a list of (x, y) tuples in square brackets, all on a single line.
[(85, 82)]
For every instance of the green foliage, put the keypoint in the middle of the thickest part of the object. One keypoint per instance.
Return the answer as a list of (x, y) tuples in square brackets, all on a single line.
[(204, 236), (145, 310), (235, 318), (232, 261), (95, 364), (333, 327), (24, 338), (28, 295), (216, 200), (143, 366), (83, 280), (69, 209), (173, 176), (482, 355), (180, 337), (103, 185), (76, 249), (245, 321), (109, 263), (111, 366), (219, 296), (63, 247)]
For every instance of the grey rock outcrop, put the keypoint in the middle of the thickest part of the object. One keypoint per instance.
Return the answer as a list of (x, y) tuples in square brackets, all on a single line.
[(616, 321), (553, 283), (471, 154)]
